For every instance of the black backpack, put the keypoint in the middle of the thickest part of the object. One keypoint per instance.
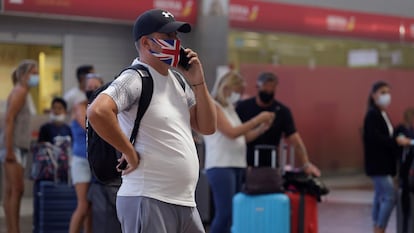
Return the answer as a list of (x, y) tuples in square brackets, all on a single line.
[(102, 156)]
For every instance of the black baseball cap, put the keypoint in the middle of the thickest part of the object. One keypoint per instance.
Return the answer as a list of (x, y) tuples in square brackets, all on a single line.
[(158, 20), (266, 77)]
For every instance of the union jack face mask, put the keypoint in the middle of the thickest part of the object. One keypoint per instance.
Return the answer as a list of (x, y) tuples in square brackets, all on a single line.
[(170, 51)]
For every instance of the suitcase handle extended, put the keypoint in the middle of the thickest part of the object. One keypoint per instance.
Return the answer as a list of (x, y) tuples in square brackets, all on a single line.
[(257, 148), (286, 163)]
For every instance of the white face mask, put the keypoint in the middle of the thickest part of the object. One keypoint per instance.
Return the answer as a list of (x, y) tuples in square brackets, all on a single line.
[(384, 100), (234, 97), (57, 118)]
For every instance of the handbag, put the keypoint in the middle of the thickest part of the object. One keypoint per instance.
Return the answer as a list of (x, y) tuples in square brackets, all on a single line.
[(50, 162), (262, 180), (301, 182)]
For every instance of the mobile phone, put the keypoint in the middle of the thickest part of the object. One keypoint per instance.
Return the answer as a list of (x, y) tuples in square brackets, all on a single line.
[(183, 62), (123, 165)]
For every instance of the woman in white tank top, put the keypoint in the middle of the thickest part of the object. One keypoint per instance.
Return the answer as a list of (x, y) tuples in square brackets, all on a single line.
[(226, 148)]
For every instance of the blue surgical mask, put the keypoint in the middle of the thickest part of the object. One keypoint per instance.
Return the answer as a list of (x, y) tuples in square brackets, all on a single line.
[(33, 80)]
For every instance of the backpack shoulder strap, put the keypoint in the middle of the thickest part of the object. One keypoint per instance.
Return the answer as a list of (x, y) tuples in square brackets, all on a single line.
[(145, 99), (140, 69), (179, 78)]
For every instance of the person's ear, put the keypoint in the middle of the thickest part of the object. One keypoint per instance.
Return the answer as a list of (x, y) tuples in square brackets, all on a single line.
[(144, 42), (150, 44)]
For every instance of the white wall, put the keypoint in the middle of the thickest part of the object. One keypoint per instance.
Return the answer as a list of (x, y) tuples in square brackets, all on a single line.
[(108, 54)]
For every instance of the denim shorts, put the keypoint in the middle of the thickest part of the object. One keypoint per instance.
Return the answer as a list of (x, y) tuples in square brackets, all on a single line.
[(80, 171), (20, 153)]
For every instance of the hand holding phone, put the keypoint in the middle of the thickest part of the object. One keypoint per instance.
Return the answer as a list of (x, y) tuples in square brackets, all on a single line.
[(183, 62), (123, 165)]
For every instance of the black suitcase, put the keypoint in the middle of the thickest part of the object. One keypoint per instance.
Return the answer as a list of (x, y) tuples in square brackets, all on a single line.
[(53, 205)]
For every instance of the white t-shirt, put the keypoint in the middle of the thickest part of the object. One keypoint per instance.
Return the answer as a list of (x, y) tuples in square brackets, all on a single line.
[(74, 96), (168, 169), (387, 120), (222, 151)]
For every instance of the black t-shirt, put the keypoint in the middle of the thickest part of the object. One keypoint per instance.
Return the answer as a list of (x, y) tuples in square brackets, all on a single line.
[(282, 125), (49, 131)]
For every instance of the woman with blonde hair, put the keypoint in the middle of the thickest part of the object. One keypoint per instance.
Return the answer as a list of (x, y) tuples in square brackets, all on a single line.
[(15, 141), (226, 149)]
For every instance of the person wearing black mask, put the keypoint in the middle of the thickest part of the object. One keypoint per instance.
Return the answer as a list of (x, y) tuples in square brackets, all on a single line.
[(93, 82), (283, 125), (80, 171)]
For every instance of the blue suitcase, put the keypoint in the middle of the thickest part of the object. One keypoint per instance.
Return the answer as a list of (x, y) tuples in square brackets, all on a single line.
[(267, 213), (53, 205)]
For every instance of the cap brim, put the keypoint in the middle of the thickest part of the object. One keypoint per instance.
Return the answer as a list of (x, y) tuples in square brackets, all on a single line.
[(175, 26)]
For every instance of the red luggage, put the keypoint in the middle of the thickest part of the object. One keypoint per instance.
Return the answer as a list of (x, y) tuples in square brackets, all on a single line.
[(303, 213), (303, 206)]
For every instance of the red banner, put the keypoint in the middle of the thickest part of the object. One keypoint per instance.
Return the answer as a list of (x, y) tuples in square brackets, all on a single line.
[(257, 15), (185, 10)]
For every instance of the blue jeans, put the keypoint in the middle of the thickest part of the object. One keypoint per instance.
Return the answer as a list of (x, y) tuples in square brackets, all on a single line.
[(224, 183), (384, 200)]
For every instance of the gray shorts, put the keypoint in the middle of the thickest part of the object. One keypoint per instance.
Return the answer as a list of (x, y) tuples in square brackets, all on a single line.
[(20, 153), (148, 215)]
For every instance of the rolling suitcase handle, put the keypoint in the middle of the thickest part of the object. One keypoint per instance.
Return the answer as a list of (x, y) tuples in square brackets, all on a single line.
[(265, 147), (285, 163)]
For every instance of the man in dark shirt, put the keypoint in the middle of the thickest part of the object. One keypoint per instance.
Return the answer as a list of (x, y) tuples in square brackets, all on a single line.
[(283, 125)]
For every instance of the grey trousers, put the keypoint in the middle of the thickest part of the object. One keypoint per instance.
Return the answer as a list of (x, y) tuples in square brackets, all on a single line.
[(147, 215)]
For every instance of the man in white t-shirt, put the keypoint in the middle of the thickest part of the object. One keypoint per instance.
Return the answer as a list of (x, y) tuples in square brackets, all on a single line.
[(158, 185), (76, 94)]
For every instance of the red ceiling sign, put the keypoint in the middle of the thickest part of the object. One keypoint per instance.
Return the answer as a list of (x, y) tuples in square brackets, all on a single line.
[(271, 16), (252, 15), (128, 10)]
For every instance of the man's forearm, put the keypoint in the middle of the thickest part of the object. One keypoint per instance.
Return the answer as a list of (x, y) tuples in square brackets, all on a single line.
[(300, 150), (106, 125), (206, 117)]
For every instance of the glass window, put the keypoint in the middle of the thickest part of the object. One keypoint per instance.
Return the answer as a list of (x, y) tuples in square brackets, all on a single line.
[(50, 72)]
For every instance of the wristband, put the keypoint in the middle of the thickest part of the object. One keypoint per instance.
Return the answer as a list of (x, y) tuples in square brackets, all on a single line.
[(197, 84)]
